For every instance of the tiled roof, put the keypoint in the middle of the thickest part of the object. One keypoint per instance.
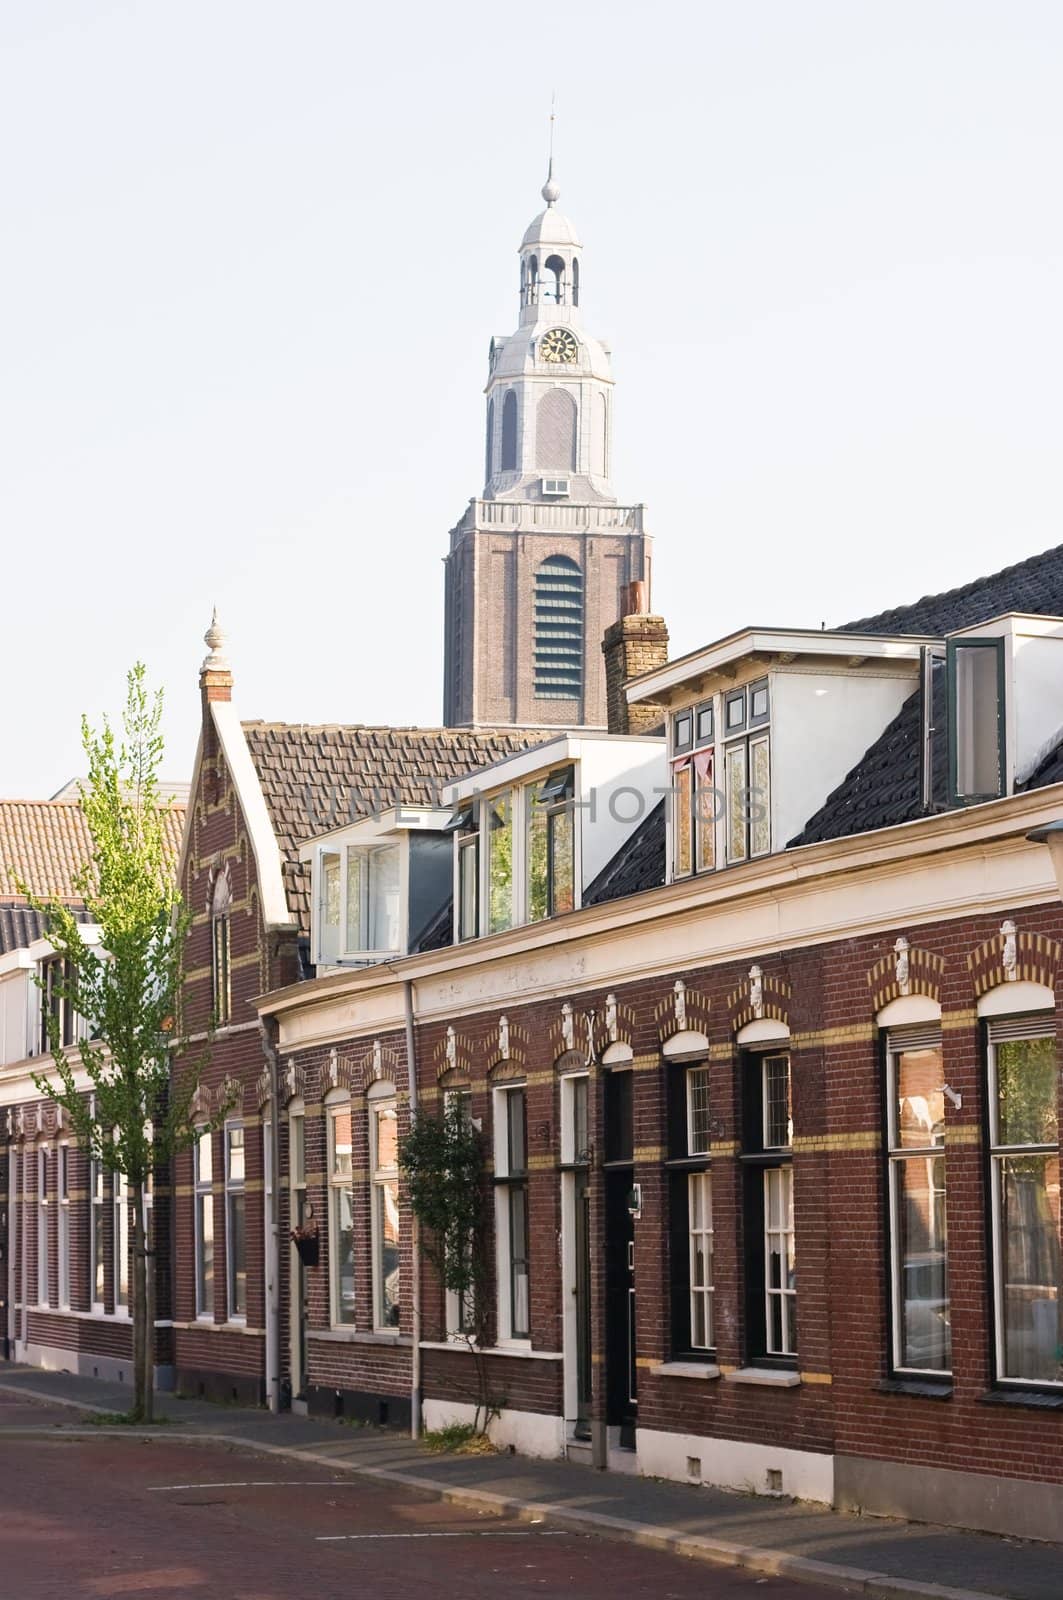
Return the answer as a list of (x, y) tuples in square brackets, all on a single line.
[(21, 926), (885, 786), (637, 865), (45, 844), (318, 778), (1034, 585)]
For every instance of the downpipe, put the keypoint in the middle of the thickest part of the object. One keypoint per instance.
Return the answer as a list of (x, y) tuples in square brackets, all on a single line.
[(415, 1231), (267, 1029)]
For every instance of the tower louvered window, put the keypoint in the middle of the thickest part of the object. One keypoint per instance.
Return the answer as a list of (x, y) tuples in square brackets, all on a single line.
[(558, 629)]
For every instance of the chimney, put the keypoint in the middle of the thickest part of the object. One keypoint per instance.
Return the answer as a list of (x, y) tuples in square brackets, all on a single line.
[(215, 677), (636, 643)]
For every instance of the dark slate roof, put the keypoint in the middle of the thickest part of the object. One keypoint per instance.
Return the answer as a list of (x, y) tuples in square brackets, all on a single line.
[(20, 925), (884, 788), (316, 778), (637, 865), (1034, 585)]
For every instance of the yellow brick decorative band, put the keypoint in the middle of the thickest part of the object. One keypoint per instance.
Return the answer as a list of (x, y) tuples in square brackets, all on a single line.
[(815, 1377), (833, 1143), (958, 1019), (967, 1136), (648, 1152)]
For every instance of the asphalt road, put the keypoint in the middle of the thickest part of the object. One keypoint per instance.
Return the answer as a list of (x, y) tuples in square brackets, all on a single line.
[(105, 1516)]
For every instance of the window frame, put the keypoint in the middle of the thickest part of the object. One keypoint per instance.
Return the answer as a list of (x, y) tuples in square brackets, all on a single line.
[(953, 647), (760, 1162), (749, 736), (221, 967), (1026, 1026), (382, 1101), (62, 1195), (43, 1250), (203, 1205), (369, 856), (509, 1181), (120, 1242), (235, 1200), (97, 1238), (459, 1319), (689, 1171), (340, 1184), (895, 1042), (554, 806)]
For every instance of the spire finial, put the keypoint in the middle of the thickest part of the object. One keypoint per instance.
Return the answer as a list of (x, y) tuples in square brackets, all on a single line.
[(550, 191), (214, 639)]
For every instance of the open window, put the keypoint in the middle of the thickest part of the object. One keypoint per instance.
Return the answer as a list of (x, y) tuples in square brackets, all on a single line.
[(963, 722)]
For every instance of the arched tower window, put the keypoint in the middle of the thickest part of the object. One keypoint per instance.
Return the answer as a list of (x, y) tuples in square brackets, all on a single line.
[(558, 629), (554, 291), (575, 280), (601, 435), (532, 285), (509, 432), (489, 463), (555, 432)]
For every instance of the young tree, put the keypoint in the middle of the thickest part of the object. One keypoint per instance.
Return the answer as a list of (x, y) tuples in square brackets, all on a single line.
[(442, 1160), (125, 1107)]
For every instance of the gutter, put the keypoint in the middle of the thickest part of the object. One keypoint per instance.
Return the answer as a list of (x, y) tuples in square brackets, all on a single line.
[(268, 1032), (415, 1231)]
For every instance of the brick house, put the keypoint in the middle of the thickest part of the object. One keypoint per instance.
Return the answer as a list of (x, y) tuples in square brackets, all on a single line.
[(773, 1113), (65, 1226)]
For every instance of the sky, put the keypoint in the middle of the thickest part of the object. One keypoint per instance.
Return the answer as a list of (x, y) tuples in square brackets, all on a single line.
[(255, 252)]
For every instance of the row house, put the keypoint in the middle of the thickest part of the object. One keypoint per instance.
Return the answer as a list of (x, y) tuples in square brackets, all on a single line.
[(770, 1092), (65, 1225)]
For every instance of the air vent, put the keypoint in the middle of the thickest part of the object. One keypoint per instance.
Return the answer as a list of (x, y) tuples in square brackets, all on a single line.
[(555, 487)]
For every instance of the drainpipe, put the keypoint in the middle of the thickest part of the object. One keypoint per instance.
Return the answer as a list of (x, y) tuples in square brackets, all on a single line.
[(268, 1028), (415, 1231)]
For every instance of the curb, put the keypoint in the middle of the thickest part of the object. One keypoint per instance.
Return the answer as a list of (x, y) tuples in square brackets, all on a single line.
[(698, 1547)]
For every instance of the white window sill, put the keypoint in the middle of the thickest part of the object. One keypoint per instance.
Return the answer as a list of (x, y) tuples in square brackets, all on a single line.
[(685, 1369), (768, 1376), (523, 1352), (353, 1336)]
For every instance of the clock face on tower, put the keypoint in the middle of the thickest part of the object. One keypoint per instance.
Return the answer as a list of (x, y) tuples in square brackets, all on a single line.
[(558, 345)]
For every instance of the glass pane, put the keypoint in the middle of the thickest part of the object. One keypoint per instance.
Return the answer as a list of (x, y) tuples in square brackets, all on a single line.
[(698, 1111), (468, 873), (562, 858), (704, 724), (778, 1124), (356, 890), (735, 711), (237, 1257), (759, 799), (343, 1243), (121, 1246), (706, 802), (683, 730), (205, 1257), (205, 1158), (1030, 1262), (64, 1172), (99, 1253), (330, 888), (515, 1114), (682, 796), (235, 1141), (737, 801), (500, 863), (518, 1247), (384, 899), (387, 1136), (580, 1138), (341, 1142), (388, 1259), (297, 1138), (977, 728), (758, 702), (922, 1251), (920, 1103), (538, 886), (1027, 1108)]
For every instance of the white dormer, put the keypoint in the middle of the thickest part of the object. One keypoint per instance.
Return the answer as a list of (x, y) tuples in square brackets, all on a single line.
[(24, 1006), (377, 885), (533, 832)]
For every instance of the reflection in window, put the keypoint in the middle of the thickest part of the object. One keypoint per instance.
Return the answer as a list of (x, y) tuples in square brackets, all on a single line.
[(919, 1237), (499, 811), (341, 1213)]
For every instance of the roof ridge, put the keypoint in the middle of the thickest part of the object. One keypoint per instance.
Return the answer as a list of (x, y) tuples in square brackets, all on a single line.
[(958, 591)]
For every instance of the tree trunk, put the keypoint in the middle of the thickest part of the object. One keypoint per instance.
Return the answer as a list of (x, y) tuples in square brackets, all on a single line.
[(141, 1392)]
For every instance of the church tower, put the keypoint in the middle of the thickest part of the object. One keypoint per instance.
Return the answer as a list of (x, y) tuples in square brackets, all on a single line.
[(538, 565)]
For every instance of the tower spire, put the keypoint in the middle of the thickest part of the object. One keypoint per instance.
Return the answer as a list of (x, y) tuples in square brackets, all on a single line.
[(550, 191)]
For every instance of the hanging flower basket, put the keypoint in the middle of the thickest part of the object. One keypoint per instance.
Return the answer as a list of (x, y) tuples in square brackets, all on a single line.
[(306, 1242)]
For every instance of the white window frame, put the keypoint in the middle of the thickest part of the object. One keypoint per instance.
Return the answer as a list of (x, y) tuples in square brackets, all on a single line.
[(97, 1238), (1001, 1030), (783, 1236), (695, 1077), (235, 1190), (503, 1215), (382, 1101), (203, 1195), (460, 1320), (42, 1225), (338, 1103), (120, 1242), (62, 1190), (898, 1042), (701, 1237), (369, 857)]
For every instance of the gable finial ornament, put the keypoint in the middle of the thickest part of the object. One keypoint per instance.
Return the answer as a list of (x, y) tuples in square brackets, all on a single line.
[(903, 965), (568, 1026), (1010, 957), (451, 1049), (679, 989), (503, 1037), (612, 1020), (214, 639), (756, 992)]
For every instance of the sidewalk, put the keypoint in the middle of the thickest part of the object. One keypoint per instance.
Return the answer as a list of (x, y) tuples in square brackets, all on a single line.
[(861, 1555)]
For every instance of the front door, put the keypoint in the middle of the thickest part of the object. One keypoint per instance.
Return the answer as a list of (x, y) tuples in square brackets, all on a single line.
[(621, 1367), (582, 1293), (298, 1279)]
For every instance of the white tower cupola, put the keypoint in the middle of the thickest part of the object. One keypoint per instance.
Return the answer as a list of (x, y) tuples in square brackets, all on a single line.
[(549, 387)]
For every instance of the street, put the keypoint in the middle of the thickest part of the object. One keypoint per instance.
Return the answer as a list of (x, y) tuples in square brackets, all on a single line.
[(101, 1516)]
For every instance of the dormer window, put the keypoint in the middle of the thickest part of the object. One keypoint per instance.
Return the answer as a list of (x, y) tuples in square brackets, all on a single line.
[(721, 768), (372, 900), (381, 886), (550, 836), (465, 824), (963, 756)]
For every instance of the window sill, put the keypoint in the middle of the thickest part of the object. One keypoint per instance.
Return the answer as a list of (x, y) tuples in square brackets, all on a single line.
[(769, 1377), (919, 1388), (1032, 1399), (522, 1352), (354, 1336), (685, 1369)]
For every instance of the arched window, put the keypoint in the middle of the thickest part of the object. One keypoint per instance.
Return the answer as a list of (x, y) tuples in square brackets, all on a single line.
[(509, 432), (575, 281), (558, 629), (533, 281), (555, 432), (601, 435), (219, 948), (489, 465), (554, 291)]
